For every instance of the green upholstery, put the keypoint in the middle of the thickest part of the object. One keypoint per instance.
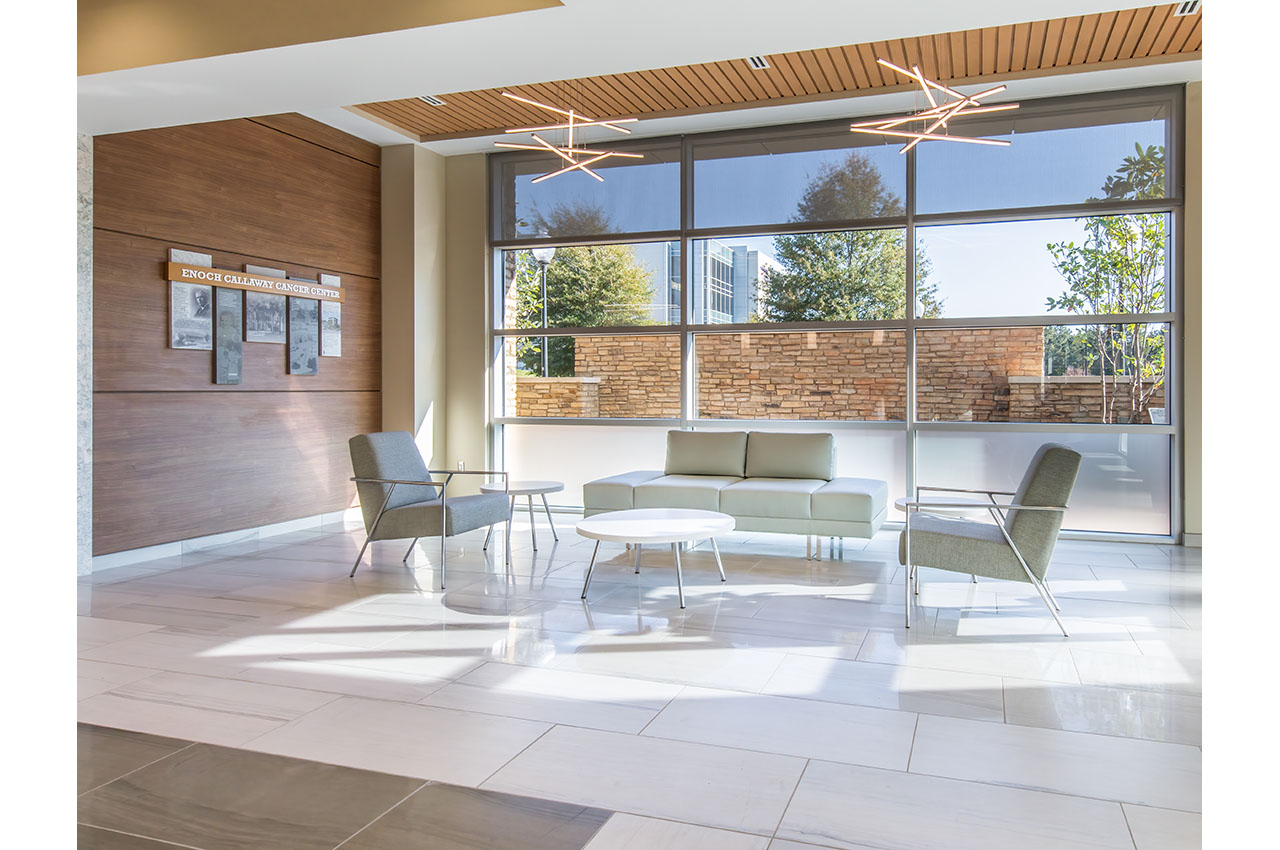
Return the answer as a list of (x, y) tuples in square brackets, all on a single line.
[(784, 455), (699, 492), (617, 492), (842, 498), (706, 453), (787, 498)]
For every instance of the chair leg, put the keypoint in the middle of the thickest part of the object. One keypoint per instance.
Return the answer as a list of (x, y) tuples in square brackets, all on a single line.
[(405, 559), (1052, 598), (356, 565), (975, 578), (488, 534)]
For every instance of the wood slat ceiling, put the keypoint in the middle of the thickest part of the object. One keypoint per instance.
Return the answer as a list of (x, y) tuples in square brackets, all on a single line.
[(1036, 48)]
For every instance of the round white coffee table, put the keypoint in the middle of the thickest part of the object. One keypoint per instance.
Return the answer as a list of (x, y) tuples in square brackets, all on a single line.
[(655, 525), (529, 489)]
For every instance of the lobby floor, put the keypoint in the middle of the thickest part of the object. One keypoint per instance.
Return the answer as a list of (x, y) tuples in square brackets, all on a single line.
[(784, 709)]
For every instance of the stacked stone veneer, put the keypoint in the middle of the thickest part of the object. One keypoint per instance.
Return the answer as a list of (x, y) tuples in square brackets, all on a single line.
[(982, 375)]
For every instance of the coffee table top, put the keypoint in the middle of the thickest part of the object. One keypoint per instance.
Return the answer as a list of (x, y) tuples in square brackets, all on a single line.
[(523, 488), (655, 525)]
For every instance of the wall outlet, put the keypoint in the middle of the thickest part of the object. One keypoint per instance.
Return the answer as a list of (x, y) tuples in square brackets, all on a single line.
[(462, 465)]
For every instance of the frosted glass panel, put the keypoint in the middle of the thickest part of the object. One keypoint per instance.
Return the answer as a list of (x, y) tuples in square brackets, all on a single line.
[(1123, 484), (576, 454)]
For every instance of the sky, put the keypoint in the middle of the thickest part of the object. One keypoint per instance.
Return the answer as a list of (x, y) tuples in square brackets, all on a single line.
[(989, 269)]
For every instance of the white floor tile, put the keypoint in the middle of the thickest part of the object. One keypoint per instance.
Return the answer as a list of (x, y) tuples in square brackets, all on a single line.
[(612, 703), (1163, 829), (1036, 658), (1128, 713), (97, 677), (1146, 673), (404, 739), (317, 675), (98, 631), (631, 832), (1100, 766), (694, 660), (171, 649), (859, 807), (788, 726), (710, 786)]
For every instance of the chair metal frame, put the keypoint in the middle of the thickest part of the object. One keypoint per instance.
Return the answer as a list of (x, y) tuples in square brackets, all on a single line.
[(444, 514), (996, 509)]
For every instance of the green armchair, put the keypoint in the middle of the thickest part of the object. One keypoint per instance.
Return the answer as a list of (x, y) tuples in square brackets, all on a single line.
[(1017, 547)]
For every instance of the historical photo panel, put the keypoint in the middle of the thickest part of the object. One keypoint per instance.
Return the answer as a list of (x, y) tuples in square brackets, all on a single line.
[(304, 336), (190, 316), (264, 319), (330, 329), (228, 349)]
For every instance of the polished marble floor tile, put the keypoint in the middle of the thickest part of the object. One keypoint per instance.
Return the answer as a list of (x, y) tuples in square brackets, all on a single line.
[(1030, 659), (195, 613), (1100, 766), (1163, 829), (1128, 713), (1147, 673), (788, 726), (93, 838), (695, 783), (411, 740), (446, 817), (218, 799), (685, 660), (200, 708), (96, 677), (632, 832), (170, 649), (299, 671), (858, 807), (104, 753), (98, 631), (612, 703), (912, 689)]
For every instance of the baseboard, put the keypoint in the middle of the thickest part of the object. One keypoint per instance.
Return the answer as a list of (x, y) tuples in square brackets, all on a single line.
[(1191, 540), (128, 557)]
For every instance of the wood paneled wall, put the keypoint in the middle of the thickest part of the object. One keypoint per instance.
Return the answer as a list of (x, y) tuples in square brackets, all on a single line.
[(175, 455)]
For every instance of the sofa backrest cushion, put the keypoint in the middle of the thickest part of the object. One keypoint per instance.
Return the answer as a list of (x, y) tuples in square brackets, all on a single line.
[(774, 454), (706, 453)]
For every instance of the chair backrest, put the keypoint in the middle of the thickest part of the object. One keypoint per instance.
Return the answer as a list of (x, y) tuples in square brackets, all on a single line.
[(778, 454), (1049, 479), (706, 453), (388, 454)]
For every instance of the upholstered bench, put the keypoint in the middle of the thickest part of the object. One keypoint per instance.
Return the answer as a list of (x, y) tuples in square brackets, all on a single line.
[(766, 480)]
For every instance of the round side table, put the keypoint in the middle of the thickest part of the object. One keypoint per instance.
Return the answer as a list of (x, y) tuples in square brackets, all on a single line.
[(528, 489)]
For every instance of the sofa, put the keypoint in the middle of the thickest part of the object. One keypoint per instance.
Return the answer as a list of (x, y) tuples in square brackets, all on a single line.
[(766, 480)]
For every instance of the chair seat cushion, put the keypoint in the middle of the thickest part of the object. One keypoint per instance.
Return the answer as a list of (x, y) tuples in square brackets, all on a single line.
[(466, 513), (770, 497), (960, 545), (700, 492), (615, 492), (850, 499)]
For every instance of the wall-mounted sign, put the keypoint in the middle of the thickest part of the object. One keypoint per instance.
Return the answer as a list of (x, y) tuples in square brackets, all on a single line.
[(183, 273)]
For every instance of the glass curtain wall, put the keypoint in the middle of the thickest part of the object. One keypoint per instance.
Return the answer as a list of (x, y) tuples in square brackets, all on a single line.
[(762, 279)]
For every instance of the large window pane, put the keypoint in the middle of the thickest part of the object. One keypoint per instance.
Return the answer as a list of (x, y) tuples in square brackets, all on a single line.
[(795, 177), (576, 454), (1057, 155), (848, 275), (1112, 374), (635, 195), (1102, 264), (1123, 485), (591, 286), (588, 377), (849, 375)]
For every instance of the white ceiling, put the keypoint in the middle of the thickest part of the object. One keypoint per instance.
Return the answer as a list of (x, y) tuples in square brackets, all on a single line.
[(582, 38)]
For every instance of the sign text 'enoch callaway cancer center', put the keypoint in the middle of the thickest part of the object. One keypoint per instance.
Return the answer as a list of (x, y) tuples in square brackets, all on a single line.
[(183, 273)]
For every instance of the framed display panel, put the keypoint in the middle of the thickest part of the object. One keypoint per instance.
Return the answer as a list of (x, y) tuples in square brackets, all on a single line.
[(304, 336), (190, 316), (228, 350), (264, 317), (330, 329)]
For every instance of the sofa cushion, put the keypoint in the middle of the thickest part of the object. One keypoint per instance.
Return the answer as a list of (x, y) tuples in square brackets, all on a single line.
[(850, 499), (772, 454), (615, 492), (706, 453), (770, 497), (683, 491)]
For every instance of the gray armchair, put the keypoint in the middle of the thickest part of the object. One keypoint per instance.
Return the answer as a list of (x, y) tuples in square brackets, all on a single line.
[(399, 499), (1016, 548)]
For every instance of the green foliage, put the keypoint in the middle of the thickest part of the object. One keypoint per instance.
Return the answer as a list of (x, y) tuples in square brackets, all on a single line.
[(844, 276), (1118, 269), (586, 287)]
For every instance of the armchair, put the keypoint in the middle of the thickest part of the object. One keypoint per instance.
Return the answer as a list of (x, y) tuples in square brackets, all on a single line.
[(1017, 547), (399, 499)]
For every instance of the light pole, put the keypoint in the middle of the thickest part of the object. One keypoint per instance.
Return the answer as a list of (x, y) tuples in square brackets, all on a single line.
[(544, 256)]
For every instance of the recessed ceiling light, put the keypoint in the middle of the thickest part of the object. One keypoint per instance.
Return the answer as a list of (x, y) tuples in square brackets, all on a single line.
[(1186, 7), (431, 100), (757, 63)]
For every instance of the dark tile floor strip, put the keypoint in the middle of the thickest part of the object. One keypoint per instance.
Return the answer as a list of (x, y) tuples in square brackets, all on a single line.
[(141, 792)]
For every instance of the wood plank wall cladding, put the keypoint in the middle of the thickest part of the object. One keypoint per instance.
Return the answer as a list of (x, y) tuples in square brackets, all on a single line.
[(175, 455)]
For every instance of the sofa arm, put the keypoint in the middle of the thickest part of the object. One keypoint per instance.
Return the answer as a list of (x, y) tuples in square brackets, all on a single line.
[(615, 493)]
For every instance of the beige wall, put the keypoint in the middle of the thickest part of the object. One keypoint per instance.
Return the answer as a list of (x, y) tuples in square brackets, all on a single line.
[(1193, 322), (413, 297)]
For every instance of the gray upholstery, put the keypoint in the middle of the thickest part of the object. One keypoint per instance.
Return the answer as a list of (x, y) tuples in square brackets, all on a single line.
[(842, 498), (700, 492), (772, 454), (706, 453), (615, 493), (1049, 479), (770, 497)]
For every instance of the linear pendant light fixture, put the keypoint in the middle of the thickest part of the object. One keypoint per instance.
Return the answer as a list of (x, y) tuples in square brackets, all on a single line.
[(578, 159), (937, 115)]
